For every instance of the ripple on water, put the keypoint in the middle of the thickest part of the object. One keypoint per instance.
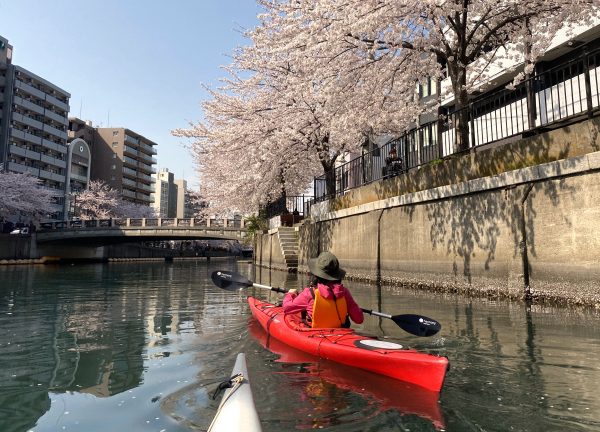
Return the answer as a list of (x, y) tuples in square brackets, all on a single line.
[(141, 346)]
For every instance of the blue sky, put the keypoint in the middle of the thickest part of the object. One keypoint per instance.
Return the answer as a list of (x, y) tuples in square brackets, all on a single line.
[(136, 63)]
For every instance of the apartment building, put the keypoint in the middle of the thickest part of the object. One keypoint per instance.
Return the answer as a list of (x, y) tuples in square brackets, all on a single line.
[(165, 194), (124, 160), (33, 126), (185, 209), (121, 158)]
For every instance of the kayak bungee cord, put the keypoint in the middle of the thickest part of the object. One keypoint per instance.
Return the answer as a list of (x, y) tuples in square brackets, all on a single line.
[(233, 383)]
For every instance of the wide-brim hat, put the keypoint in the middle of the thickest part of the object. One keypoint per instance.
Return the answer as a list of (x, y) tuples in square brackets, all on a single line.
[(326, 266)]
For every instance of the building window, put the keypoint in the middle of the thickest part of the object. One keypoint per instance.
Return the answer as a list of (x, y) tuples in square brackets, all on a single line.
[(112, 178), (115, 133), (114, 155), (115, 144), (113, 166)]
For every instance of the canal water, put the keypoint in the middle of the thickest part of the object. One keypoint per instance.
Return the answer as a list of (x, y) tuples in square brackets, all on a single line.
[(142, 346)]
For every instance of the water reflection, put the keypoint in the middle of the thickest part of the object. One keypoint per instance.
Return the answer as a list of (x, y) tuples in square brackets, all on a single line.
[(513, 366), (87, 338), (90, 330), (135, 346), (324, 385)]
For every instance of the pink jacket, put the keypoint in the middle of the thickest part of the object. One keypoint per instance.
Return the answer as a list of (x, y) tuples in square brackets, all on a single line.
[(294, 303)]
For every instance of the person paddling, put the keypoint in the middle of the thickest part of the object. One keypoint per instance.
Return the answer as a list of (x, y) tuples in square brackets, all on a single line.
[(327, 302)]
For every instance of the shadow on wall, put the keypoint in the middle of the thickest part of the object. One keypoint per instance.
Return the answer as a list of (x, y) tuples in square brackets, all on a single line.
[(314, 239), (473, 223)]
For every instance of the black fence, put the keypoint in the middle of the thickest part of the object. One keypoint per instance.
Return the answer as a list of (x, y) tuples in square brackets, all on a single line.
[(566, 93), (293, 204)]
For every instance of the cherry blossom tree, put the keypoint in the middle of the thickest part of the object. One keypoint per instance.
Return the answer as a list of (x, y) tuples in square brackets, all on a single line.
[(320, 78), (100, 201), (22, 195), (128, 209), (387, 46), (195, 202), (97, 201)]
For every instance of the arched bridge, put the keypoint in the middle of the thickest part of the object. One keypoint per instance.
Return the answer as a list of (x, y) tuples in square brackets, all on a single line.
[(110, 231)]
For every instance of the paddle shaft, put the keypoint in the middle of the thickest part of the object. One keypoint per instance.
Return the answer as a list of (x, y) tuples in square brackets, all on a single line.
[(279, 290), (372, 312)]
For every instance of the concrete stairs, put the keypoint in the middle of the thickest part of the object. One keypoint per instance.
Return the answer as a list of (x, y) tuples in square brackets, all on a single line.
[(288, 239)]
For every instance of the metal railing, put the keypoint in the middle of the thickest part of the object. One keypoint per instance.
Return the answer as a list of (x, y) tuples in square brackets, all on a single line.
[(294, 204), (235, 223), (564, 94)]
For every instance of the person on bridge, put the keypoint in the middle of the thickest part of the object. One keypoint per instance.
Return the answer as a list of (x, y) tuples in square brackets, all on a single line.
[(326, 302)]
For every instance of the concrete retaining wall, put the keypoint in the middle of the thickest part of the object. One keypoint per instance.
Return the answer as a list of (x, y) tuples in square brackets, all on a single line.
[(472, 243), (268, 252), (17, 247)]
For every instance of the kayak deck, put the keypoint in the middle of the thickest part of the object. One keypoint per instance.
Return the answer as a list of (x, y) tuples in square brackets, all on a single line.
[(346, 347), (236, 411)]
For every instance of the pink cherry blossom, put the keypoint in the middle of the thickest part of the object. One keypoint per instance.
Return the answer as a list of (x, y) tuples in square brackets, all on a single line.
[(22, 195), (319, 79)]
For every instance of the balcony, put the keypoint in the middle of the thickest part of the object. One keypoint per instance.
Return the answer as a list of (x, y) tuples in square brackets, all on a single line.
[(29, 89), (16, 150), (19, 101), (57, 103), (24, 152), (130, 161), (27, 120), (54, 161), (146, 168), (130, 172), (147, 149), (52, 176), (129, 182), (144, 197), (56, 117), (25, 136), (56, 132), (127, 193), (54, 146), (145, 187), (132, 140), (147, 158), (144, 177), (129, 151), (17, 167)]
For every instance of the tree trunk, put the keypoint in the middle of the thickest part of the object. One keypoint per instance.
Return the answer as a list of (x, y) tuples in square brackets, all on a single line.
[(328, 164), (329, 169), (458, 76)]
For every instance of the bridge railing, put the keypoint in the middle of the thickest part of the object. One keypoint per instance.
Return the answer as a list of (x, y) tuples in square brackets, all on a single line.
[(144, 222)]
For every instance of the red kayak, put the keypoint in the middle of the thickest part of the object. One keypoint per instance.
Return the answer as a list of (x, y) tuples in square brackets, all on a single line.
[(346, 347), (404, 397)]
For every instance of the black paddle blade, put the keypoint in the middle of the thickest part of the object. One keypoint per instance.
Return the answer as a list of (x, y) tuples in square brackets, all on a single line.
[(229, 281), (418, 325)]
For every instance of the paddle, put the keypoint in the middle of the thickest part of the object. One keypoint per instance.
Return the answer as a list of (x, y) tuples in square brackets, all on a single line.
[(417, 325), (235, 281), (414, 324)]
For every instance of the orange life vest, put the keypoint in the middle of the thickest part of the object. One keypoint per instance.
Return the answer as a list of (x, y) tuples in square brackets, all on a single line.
[(328, 312)]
